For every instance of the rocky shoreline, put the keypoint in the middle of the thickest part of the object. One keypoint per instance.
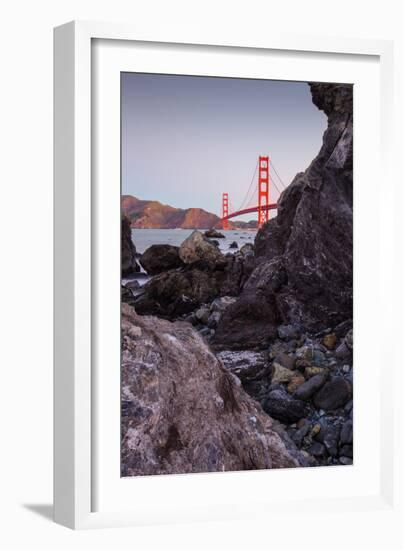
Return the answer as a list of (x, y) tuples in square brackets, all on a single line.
[(270, 326)]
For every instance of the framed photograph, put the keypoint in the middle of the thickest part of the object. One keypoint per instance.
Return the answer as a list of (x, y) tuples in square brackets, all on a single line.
[(220, 258)]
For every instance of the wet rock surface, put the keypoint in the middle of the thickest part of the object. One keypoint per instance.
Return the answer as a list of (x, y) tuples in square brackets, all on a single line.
[(160, 257), (182, 411)]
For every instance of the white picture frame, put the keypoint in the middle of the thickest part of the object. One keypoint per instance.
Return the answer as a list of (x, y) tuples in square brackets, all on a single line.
[(78, 425)]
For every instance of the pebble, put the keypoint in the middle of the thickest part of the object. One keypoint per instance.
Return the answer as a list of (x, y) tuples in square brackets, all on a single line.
[(329, 340)]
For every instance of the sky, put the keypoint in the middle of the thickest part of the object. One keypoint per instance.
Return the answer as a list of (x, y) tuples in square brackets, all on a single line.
[(188, 139)]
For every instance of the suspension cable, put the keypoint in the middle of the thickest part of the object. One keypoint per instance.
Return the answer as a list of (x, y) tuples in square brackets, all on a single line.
[(275, 171), (249, 188)]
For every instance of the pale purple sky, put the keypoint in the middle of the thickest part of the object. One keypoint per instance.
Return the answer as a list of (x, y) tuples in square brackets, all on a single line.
[(186, 139)]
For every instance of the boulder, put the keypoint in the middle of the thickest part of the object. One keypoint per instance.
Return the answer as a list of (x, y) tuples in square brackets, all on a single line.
[(128, 258), (160, 257), (281, 405), (182, 412), (333, 395), (304, 256), (306, 390), (234, 244), (213, 234), (197, 248), (176, 292)]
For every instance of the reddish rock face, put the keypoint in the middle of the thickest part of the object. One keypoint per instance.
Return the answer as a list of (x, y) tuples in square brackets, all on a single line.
[(304, 256), (154, 215), (182, 411)]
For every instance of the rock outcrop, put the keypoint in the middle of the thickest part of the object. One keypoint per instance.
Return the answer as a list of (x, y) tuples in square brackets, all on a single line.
[(177, 292), (145, 214), (182, 411), (304, 256), (160, 257), (128, 261), (197, 248)]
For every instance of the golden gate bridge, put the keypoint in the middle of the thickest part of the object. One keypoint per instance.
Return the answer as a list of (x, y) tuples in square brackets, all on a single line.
[(260, 193)]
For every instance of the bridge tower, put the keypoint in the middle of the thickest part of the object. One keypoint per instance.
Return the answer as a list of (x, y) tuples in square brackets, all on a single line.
[(263, 191), (225, 211)]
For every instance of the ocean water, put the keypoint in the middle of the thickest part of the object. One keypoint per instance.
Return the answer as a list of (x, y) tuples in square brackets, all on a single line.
[(144, 238)]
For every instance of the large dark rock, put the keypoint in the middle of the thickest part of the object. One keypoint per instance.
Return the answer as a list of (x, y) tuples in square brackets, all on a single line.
[(160, 257), (282, 406), (129, 264), (306, 390), (180, 291), (305, 254), (333, 395), (214, 234), (182, 411)]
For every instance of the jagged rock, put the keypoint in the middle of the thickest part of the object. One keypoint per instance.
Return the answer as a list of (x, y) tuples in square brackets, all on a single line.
[(160, 257), (246, 365), (176, 292), (250, 322), (333, 395), (304, 255), (197, 248), (129, 264), (234, 244), (214, 234), (182, 411), (281, 374), (179, 291)]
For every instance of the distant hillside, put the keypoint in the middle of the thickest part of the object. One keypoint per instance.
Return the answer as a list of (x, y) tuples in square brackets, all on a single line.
[(154, 215)]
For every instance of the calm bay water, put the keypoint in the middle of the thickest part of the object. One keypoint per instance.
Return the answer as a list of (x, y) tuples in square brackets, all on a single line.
[(144, 238)]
